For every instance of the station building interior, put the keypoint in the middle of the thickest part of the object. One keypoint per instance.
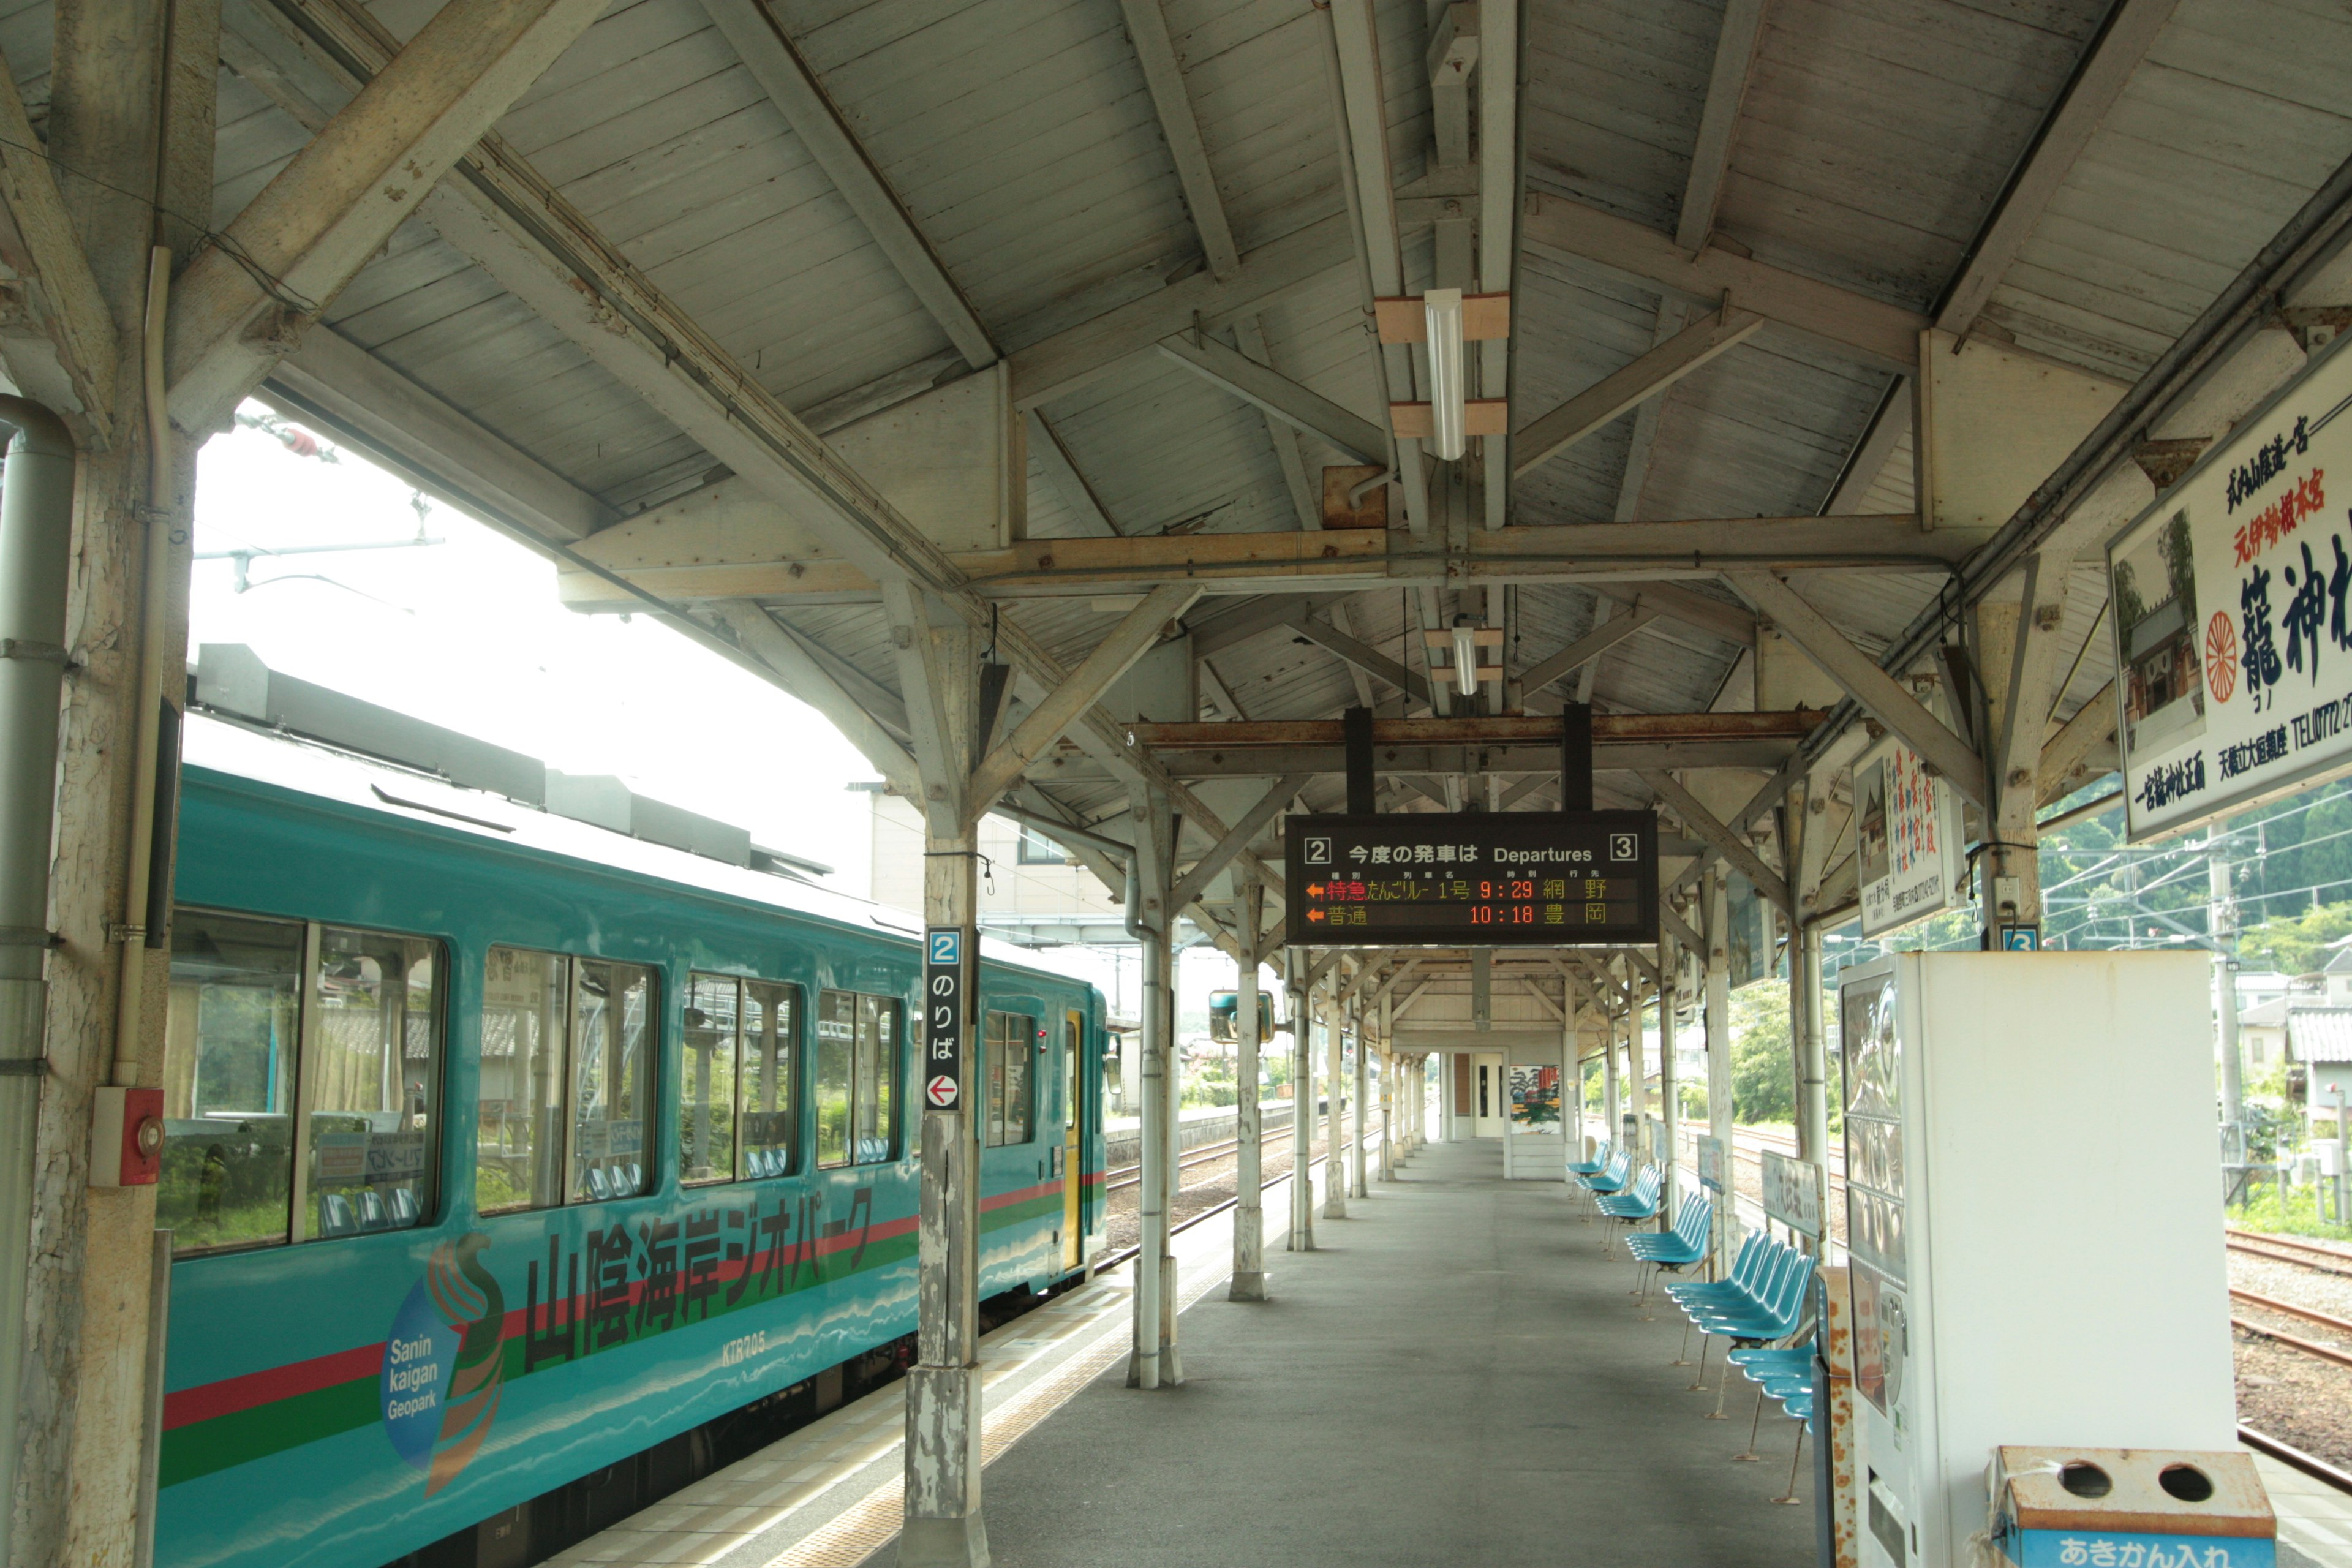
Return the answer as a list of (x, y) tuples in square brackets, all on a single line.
[(1626, 572)]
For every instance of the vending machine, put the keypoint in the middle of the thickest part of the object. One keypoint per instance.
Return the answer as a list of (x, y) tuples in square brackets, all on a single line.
[(2033, 1213)]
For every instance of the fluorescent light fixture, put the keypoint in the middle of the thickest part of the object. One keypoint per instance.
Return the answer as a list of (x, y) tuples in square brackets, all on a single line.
[(1465, 651), (1448, 393)]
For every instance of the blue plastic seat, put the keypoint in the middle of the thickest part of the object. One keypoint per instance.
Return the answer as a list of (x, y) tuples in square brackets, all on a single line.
[(1609, 1178), (405, 1208), (1638, 1203), (1592, 1166), (335, 1217), (597, 1186), (374, 1215)]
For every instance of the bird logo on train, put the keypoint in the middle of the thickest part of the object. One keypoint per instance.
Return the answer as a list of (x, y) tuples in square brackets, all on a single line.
[(444, 1366)]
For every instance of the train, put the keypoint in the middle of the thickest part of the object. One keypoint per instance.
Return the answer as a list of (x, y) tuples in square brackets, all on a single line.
[(503, 1150)]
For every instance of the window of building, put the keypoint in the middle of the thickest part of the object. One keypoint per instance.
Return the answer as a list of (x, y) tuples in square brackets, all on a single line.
[(1036, 849), (1011, 1079), (303, 1097), (737, 1108), (857, 1072), (566, 1088)]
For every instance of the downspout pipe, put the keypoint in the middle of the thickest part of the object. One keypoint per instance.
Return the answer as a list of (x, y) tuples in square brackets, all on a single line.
[(35, 555)]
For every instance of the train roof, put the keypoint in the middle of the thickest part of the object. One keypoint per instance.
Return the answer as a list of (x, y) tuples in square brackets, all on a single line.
[(226, 744)]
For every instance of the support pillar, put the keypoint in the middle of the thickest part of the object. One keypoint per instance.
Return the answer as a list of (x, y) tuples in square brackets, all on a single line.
[(1669, 1113), (1334, 1163), (1390, 1127), (944, 1527), (1609, 1107), (1718, 1057), (1302, 1102), (2222, 923), (1358, 1185), (1249, 1212), (1813, 1076), (1152, 1358)]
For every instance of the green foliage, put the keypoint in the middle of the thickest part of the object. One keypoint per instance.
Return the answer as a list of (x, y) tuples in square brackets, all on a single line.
[(2294, 944), (2287, 1211)]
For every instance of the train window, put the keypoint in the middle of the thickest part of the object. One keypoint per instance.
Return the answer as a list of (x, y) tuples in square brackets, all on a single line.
[(296, 1110), (1012, 1093), (373, 1089), (857, 1074), (738, 1116), (566, 1082), (611, 1087), (526, 1021)]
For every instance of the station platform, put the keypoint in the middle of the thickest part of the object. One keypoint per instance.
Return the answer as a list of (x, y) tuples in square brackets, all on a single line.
[(1456, 1376)]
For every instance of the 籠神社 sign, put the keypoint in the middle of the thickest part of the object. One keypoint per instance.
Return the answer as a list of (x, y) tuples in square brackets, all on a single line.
[(2232, 614)]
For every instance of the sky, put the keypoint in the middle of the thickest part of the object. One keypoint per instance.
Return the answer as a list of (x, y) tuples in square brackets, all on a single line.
[(468, 635)]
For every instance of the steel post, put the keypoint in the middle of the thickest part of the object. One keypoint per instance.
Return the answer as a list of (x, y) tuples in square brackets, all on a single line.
[(1718, 1056), (2223, 907), (1814, 1073), (1669, 1113), (1147, 1361), (1358, 1186)]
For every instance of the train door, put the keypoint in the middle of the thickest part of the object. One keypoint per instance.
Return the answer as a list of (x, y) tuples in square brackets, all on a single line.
[(1073, 1160), (1486, 1108)]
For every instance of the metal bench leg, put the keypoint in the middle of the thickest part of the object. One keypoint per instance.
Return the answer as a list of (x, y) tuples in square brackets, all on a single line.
[(1792, 1464), (1698, 1382), (1722, 1381), (1682, 1356), (1751, 1455)]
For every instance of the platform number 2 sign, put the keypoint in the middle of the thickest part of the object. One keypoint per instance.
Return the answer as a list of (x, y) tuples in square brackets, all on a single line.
[(942, 1015)]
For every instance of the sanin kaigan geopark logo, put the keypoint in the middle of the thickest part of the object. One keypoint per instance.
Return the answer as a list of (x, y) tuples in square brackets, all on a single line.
[(442, 1365)]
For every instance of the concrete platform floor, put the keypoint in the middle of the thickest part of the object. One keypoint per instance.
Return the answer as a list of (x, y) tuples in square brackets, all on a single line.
[(1456, 1377)]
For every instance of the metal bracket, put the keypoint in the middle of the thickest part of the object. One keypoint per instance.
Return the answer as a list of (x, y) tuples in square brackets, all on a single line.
[(27, 936), (125, 933), (35, 652)]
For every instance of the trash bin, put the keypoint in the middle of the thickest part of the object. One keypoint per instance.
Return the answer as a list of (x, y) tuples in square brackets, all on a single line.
[(2129, 1508)]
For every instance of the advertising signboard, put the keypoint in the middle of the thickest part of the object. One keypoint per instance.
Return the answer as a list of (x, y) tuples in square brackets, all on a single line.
[(1485, 879), (1748, 953), (1907, 825), (2232, 633), (1792, 1192), (1710, 1163)]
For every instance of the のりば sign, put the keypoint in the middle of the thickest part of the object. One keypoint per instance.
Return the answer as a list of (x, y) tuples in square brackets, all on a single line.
[(2232, 614)]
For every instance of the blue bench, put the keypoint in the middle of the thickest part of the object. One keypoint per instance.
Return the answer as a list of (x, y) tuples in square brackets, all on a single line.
[(1593, 1166), (1609, 1180), (1637, 1204), (1677, 1248)]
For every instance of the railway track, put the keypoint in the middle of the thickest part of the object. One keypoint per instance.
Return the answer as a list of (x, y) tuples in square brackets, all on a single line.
[(2317, 1469), (1132, 1175), (2284, 1250)]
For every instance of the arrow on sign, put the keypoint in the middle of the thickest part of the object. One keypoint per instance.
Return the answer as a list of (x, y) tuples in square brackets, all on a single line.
[(942, 1090)]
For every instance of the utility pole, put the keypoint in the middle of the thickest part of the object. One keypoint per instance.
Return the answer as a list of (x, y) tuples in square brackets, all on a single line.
[(2224, 923)]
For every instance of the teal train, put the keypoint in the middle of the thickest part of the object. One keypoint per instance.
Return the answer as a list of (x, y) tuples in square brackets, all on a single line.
[(503, 1149)]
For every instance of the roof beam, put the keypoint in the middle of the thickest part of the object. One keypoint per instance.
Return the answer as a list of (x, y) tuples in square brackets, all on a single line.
[(2107, 66), (1277, 396), (1630, 484), (792, 88), (803, 678), (1113, 656), (330, 379), (2092, 723), (1236, 839), (1607, 633), (1498, 215), (1412, 767), (59, 347), (1728, 844), (1546, 438), (1727, 88), (1236, 621), (1878, 693), (1353, 56), (1535, 730), (1869, 330), (1062, 473), (1868, 459), (1361, 656), (695, 561), (1155, 51), (1061, 364), (326, 214), (1345, 625), (1305, 493)]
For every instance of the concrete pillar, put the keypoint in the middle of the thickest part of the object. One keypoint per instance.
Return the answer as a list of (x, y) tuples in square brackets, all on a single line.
[(1249, 1212), (944, 1524), (1390, 1126), (2222, 922), (1302, 1102), (1718, 1054), (1610, 1109), (1334, 1163), (1358, 1185)]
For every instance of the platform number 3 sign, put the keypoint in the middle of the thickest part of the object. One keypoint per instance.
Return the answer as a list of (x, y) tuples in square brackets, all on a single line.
[(943, 1016)]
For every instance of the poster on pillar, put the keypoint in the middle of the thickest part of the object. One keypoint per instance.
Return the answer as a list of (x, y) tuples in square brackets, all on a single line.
[(1907, 839), (2231, 629), (1535, 1100)]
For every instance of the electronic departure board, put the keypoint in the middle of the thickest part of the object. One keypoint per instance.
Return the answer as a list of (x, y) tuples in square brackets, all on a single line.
[(1519, 878)]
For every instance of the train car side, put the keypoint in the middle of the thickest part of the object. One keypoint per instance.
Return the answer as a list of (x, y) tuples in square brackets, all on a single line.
[(342, 1400)]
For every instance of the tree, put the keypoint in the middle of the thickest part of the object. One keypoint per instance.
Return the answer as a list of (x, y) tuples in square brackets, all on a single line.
[(2294, 944), (1763, 1078)]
